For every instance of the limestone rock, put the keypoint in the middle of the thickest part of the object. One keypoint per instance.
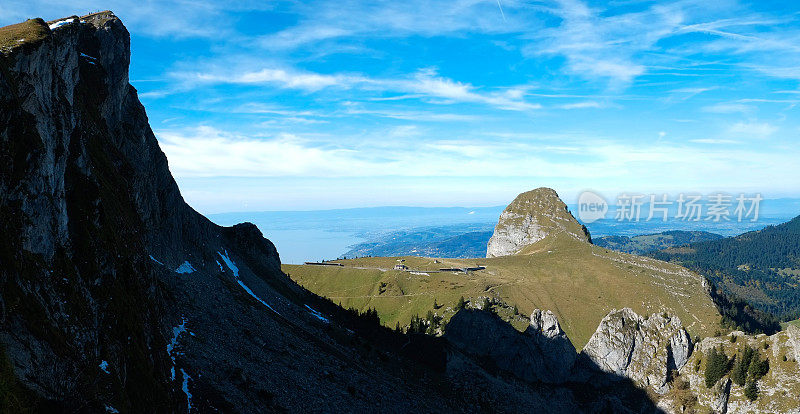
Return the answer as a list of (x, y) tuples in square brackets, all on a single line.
[(531, 217), (643, 350), (722, 391)]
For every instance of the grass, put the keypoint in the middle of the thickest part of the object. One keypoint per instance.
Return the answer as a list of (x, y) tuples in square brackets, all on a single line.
[(795, 322), (28, 31), (579, 282)]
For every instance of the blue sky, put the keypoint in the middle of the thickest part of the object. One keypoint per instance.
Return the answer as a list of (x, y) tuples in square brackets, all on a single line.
[(278, 105)]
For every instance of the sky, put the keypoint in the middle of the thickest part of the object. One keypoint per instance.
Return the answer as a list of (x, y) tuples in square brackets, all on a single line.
[(286, 105)]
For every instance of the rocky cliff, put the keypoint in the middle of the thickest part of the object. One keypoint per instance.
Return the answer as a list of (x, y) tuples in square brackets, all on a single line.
[(531, 217), (643, 349), (115, 295)]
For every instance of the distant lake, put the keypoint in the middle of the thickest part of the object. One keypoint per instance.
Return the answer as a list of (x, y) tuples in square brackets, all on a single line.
[(302, 236)]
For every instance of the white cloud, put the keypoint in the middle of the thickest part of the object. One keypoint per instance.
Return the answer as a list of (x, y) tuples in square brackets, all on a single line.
[(759, 130), (424, 83), (408, 151), (714, 141), (728, 108), (284, 78), (582, 105)]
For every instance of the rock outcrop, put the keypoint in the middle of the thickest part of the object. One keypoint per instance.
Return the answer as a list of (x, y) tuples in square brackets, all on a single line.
[(722, 393), (542, 353), (531, 217), (642, 349), (778, 390)]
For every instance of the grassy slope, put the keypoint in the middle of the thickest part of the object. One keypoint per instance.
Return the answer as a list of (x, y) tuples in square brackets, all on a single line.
[(795, 322), (25, 32), (577, 281)]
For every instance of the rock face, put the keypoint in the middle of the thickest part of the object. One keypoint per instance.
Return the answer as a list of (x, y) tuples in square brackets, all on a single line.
[(722, 392), (542, 353), (531, 217), (642, 349)]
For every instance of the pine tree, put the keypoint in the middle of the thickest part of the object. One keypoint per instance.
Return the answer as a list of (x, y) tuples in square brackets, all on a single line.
[(758, 368), (716, 366), (739, 373), (751, 390), (461, 304)]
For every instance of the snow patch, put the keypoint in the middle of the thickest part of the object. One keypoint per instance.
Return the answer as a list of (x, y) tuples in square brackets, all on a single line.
[(90, 59), (154, 259), (250, 292), (186, 390), (235, 271), (60, 23), (112, 410), (230, 264), (185, 268), (176, 333), (318, 314), (104, 367)]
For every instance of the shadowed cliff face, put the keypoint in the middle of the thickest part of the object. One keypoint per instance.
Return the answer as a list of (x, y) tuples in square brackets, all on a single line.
[(78, 287), (94, 227)]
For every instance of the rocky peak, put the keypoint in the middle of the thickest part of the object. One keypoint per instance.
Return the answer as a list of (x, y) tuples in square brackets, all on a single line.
[(643, 349), (531, 217)]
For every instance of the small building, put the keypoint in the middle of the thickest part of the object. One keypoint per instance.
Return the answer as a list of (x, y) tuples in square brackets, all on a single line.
[(400, 266)]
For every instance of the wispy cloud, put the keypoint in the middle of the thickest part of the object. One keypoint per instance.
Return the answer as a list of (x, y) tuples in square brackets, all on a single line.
[(425, 83), (758, 130), (728, 108)]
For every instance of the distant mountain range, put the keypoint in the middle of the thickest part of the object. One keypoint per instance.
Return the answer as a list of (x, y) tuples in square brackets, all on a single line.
[(466, 241)]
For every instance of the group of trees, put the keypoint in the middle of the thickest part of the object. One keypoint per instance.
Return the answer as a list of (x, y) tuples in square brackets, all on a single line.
[(753, 265), (746, 368)]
